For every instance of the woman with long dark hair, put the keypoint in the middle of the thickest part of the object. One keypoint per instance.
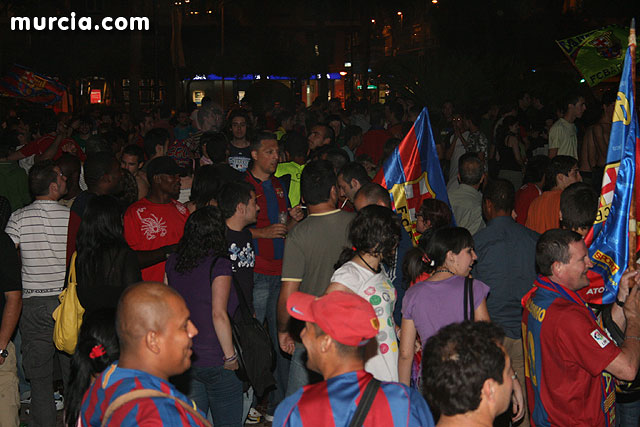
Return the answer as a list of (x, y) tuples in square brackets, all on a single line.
[(374, 234), (200, 271), (97, 349), (105, 264), (439, 301)]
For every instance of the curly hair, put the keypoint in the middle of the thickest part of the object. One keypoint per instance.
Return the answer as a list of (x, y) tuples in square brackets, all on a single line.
[(204, 234), (457, 361), (436, 211), (98, 329), (375, 230)]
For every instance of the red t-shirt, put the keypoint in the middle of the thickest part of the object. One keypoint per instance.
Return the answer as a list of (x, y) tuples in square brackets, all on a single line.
[(373, 144), (524, 196), (40, 145), (149, 226)]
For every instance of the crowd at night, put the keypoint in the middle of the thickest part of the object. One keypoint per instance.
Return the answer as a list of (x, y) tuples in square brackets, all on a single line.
[(352, 246)]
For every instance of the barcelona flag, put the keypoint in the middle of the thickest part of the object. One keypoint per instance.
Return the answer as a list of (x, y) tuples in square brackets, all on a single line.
[(608, 239), (412, 173), (21, 82)]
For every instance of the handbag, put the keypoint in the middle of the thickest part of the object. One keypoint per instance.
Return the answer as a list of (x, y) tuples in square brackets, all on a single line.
[(68, 315), (252, 343), (469, 311)]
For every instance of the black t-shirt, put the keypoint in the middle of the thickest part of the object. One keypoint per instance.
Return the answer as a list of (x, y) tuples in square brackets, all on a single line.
[(243, 260), (10, 279), (239, 157), (227, 173)]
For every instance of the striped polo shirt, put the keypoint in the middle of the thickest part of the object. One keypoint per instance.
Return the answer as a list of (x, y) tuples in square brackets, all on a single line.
[(40, 231)]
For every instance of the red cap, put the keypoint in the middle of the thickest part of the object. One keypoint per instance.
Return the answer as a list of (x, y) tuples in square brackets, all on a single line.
[(345, 317)]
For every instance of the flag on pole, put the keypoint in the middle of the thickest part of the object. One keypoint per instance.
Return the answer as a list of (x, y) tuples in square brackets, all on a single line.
[(608, 239), (412, 173), (21, 82)]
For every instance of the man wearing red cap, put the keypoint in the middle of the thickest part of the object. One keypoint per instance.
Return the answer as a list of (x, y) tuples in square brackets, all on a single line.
[(338, 327)]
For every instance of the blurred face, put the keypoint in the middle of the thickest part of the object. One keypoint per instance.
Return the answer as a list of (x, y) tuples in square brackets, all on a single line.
[(460, 264), (573, 275), (266, 157), (578, 108), (457, 122), (316, 137), (251, 209), (335, 125), (421, 227), (147, 124), (169, 184), (346, 189), (176, 338), (311, 344), (115, 178), (504, 390), (61, 181), (84, 128), (239, 127), (573, 176), (130, 163)]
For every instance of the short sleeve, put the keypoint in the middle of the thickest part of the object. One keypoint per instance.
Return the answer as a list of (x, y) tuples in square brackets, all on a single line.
[(130, 229), (556, 134), (293, 262), (13, 228), (407, 302), (222, 268), (480, 292), (347, 276), (582, 341)]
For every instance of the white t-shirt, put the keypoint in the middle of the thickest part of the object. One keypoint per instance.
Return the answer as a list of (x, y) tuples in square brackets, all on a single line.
[(40, 230), (378, 290)]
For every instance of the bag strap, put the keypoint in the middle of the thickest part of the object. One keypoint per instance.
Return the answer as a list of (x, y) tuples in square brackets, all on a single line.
[(241, 299), (140, 394), (365, 403), (469, 312), (72, 268)]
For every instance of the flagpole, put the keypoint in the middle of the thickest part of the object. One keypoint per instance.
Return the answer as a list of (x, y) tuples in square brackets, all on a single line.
[(632, 208)]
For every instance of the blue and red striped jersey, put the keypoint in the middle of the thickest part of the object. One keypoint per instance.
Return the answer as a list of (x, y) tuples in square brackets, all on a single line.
[(115, 382), (272, 198), (332, 403), (566, 353)]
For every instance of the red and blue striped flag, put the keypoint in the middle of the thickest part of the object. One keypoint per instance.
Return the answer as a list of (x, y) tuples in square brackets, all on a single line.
[(20, 82), (412, 173), (608, 239)]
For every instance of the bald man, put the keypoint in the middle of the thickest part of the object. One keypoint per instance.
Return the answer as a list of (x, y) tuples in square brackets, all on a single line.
[(155, 335)]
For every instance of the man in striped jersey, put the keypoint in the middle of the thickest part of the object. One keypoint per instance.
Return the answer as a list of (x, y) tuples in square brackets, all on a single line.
[(39, 230)]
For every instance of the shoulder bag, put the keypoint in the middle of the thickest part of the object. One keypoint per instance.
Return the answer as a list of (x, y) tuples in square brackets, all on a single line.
[(252, 343), (68, 315)]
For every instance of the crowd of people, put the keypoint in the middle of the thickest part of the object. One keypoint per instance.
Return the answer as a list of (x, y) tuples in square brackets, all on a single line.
[(175, 219)]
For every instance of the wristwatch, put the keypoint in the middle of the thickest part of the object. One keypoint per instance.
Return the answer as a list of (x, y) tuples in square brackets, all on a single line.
[(4, 353)]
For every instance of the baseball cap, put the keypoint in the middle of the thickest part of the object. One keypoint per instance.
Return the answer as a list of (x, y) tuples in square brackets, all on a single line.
[(161, 165), (345, 317)]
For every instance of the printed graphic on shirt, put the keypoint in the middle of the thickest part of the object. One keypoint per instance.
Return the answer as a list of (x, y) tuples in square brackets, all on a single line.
[(239, 163), (599, 338), (152, 226), (242, 257)]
